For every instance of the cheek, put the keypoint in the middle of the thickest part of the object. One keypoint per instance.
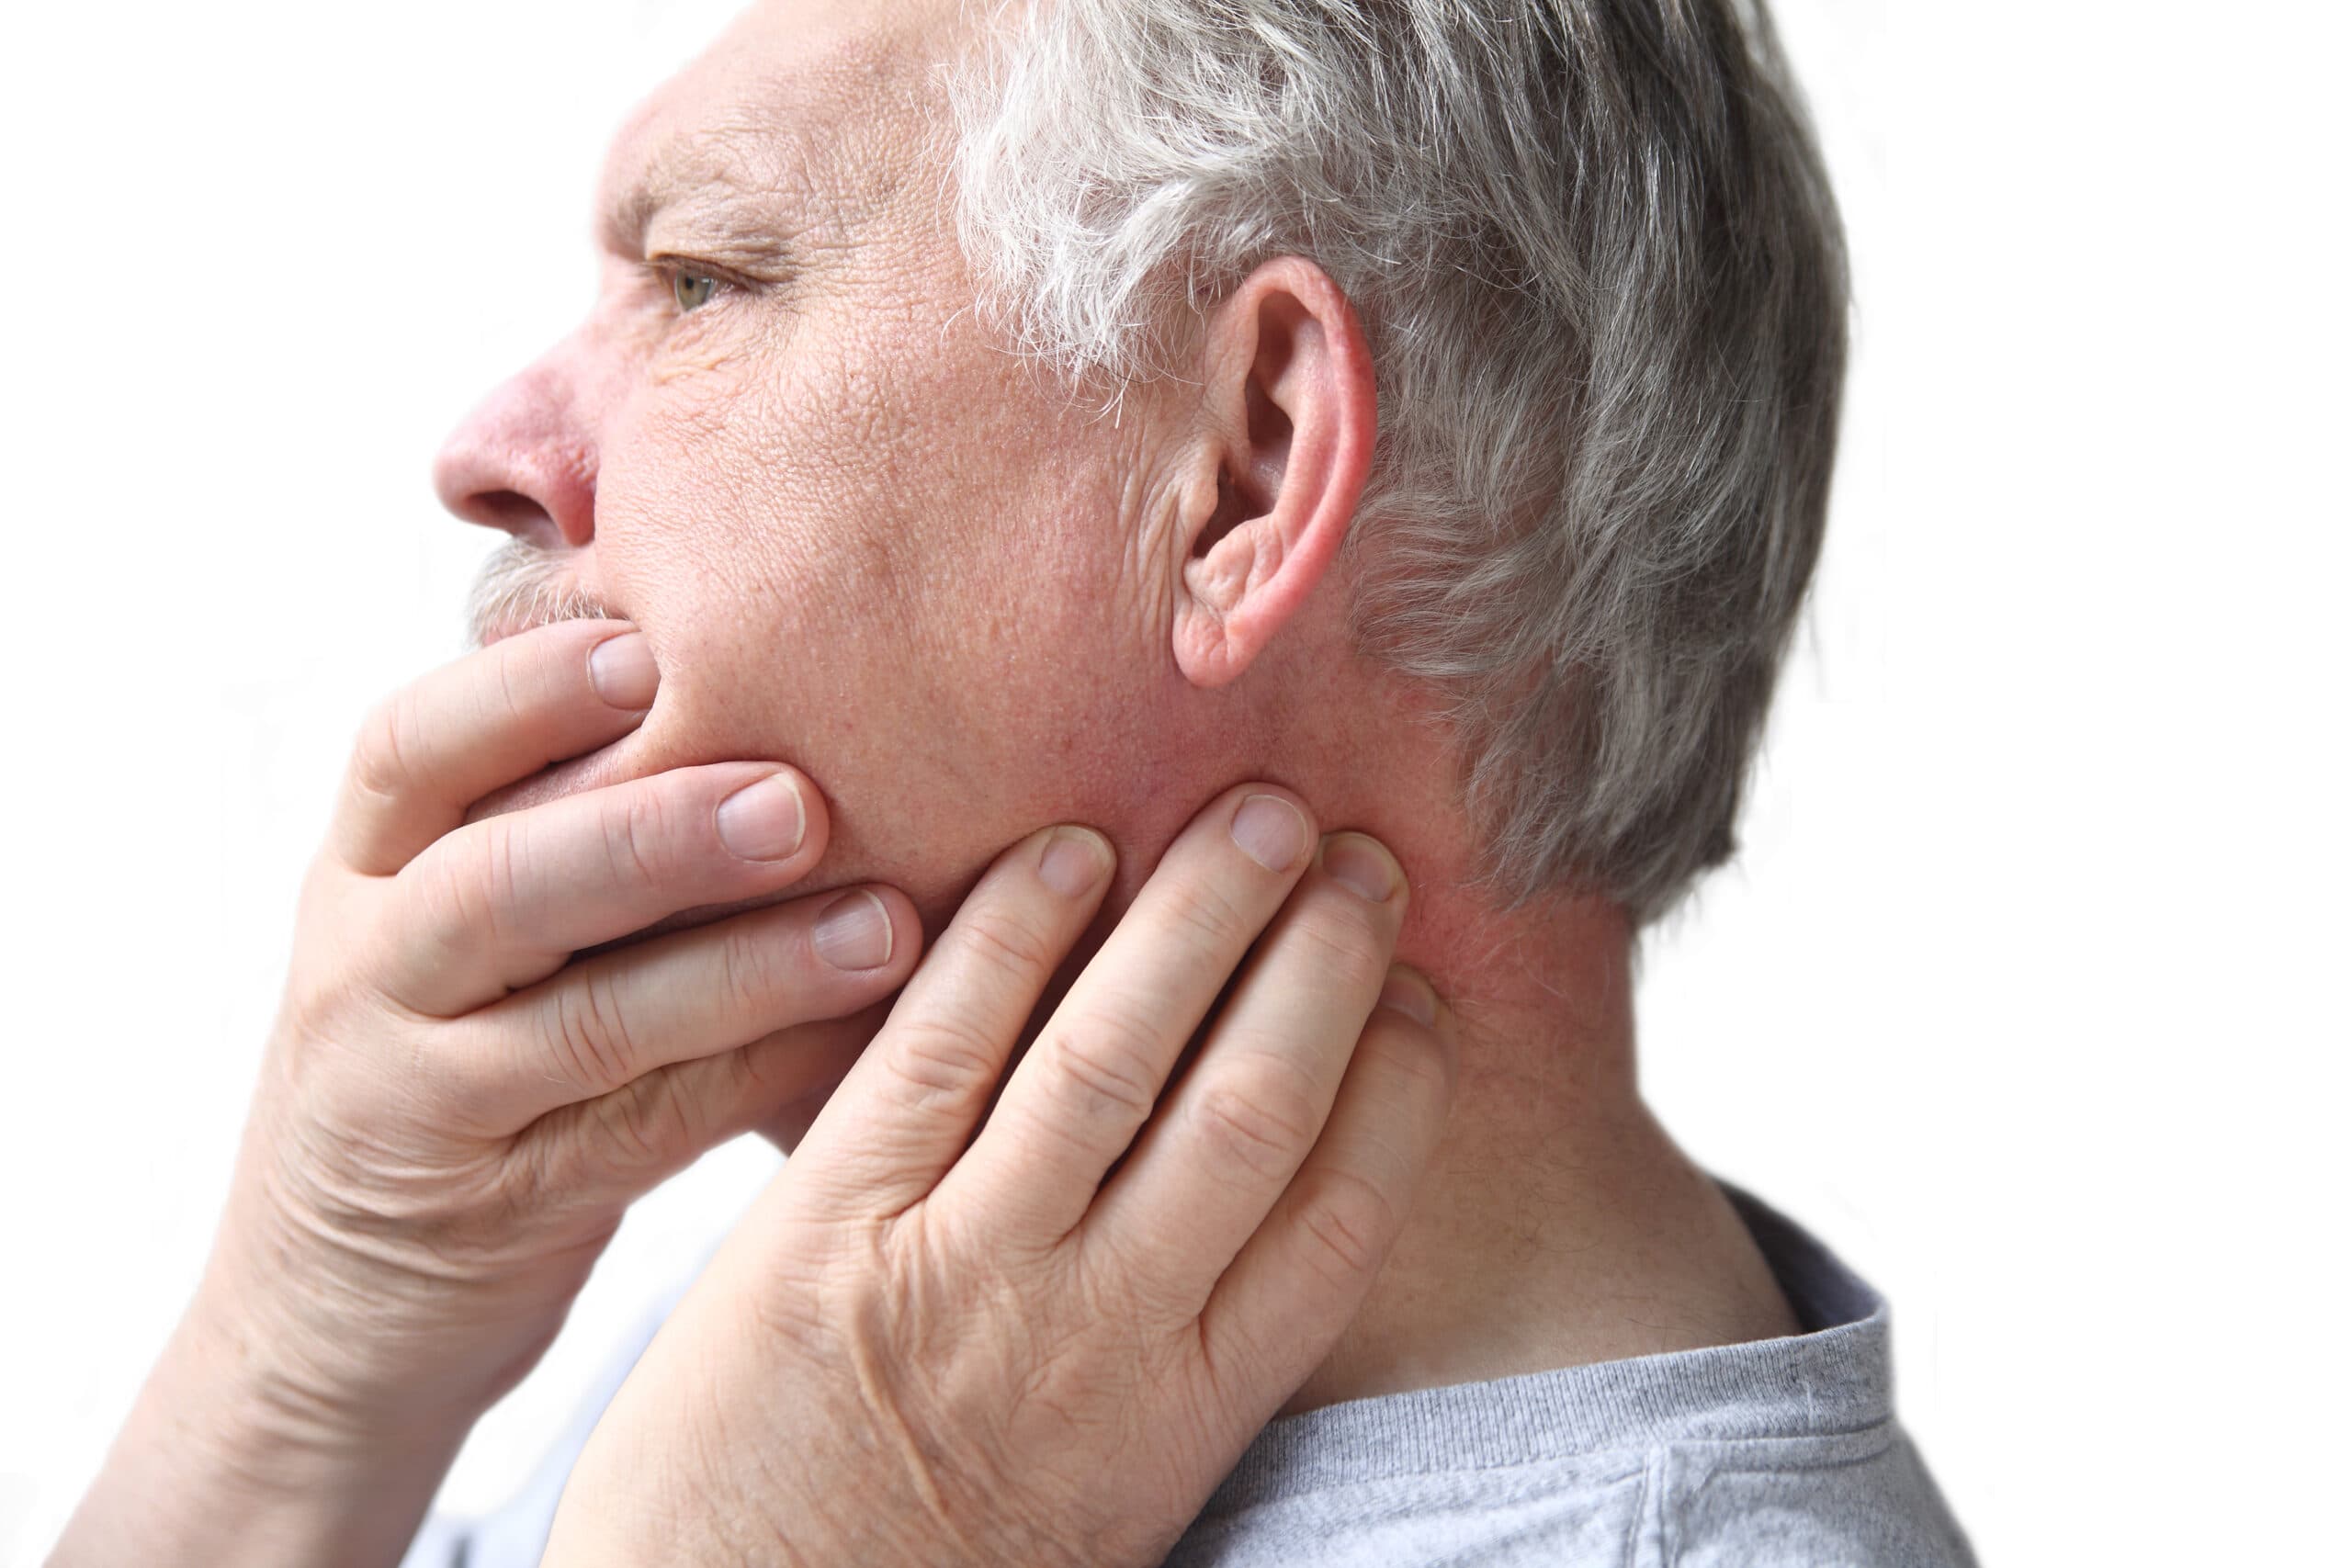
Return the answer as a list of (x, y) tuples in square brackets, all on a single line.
[(889, 570)]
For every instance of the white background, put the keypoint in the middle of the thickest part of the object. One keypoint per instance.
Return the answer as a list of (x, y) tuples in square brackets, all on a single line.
[(2026, 994)]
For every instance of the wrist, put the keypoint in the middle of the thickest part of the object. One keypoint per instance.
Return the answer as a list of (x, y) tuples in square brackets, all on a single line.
[(280, 1401), (224, 1460), (329, 1347)]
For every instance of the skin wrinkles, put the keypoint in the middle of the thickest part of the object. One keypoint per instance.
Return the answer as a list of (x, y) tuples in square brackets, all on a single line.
[(703, 344), (862, 536)]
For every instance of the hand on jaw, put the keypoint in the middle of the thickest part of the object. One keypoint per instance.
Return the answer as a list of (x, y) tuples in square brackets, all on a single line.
[(946, 1331), (927, 1345)]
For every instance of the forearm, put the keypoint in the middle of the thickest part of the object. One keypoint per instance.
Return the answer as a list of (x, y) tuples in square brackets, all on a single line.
[(218, 1463)]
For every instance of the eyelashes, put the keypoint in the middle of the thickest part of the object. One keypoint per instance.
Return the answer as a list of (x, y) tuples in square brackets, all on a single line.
[(693, 284)]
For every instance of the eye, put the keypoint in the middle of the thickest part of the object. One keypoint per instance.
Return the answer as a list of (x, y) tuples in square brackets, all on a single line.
[(691, 290)]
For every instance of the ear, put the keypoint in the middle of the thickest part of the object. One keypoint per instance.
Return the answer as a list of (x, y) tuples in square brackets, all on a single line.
[(1288, 411)]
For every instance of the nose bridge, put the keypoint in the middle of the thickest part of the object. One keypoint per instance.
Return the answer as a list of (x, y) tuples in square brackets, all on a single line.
[(526, 458)]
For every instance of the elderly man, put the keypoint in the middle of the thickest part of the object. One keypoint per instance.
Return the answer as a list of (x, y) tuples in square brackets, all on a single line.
[(993, 417)]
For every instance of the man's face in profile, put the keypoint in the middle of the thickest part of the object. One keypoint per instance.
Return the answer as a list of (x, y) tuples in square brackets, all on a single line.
[(858, 536)]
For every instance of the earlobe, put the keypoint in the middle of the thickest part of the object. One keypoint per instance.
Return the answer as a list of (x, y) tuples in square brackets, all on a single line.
[(1288, 413)]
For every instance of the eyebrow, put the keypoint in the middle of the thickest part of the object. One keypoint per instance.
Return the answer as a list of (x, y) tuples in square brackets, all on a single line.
[(680, 170), (623, 217)]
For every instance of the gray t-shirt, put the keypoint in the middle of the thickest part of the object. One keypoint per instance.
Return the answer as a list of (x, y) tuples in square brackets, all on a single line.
[(1779, 1451)]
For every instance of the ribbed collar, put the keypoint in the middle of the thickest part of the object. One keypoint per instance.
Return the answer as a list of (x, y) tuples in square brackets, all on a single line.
[(1836, 1377)]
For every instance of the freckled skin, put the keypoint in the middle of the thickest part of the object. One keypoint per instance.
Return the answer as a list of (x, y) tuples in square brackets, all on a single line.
[(862, 537)]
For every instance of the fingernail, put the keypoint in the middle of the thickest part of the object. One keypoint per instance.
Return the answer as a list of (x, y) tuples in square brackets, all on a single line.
[(1074, 861), (1361, 864), (1270, 831), (623, 672), (763, 820), (853, 932), (1410, 994)]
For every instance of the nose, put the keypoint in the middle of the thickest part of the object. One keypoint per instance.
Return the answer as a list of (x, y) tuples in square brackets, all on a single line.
[(524, 461)]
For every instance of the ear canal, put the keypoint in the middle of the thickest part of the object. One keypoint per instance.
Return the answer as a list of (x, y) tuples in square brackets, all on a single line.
[(1247, 486), (1222, 521)]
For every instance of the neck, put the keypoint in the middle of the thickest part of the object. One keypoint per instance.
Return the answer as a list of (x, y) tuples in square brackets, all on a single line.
[(1558, 1224)]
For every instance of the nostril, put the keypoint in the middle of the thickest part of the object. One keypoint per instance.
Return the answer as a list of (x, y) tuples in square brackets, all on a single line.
[(511, 510), (536, 483)]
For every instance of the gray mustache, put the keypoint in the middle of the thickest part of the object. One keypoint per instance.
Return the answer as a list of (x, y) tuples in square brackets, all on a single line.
[(524, 585)]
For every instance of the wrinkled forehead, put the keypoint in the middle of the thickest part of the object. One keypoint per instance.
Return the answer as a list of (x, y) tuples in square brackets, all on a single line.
[(830, 101)]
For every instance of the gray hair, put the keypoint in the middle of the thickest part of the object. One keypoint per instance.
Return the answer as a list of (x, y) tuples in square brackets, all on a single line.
[(1597, 258)]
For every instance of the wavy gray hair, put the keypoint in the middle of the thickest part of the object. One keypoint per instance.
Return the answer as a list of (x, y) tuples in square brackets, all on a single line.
[(1595, 253)]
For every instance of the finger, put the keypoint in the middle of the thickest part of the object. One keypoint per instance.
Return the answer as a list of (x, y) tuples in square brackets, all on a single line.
[(1089, 1082), (1222, 1149), (502, 903), (622, 1145), (908, 1109), (605, 1022), (491, 719), (1297, 1284)]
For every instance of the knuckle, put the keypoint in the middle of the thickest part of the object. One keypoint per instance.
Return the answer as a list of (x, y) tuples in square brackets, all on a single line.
[(777, 1064), (1003, 940), (636, 839), (1204, 912), (752, 974), (536, 1168), (587, 1035), (464, 885), (938, 1062), (650, 1123), (1342, 1218), (1402, 1051), (1264, 1122), (447, 901), (1105, 1073), (381, 767), (505, 872), (1349, 943)]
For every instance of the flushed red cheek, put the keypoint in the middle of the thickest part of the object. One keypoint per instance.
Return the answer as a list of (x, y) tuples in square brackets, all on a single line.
[(877, 572)]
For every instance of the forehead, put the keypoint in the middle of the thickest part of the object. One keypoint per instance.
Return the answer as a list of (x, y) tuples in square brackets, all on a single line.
[(823, 98)]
